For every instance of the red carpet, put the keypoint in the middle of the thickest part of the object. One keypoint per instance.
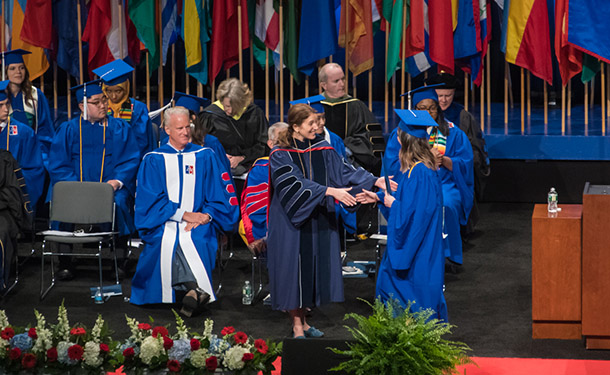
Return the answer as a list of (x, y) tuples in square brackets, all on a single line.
[(529, 366)]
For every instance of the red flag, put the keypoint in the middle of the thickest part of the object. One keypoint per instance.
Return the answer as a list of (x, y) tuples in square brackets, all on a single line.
[(416, 34), (360, 34), (441, 34), (37, 27), (224, 47), (569, 58)]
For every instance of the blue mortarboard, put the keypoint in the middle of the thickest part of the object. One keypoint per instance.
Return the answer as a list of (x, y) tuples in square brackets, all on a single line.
[(3, 86), (87, 89), (424, 92), (313, 101), (114, 73), (14, 56), (415, 123), (190, 102)]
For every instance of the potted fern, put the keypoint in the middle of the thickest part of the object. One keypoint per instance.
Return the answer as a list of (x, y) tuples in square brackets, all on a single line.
[(396, 341)]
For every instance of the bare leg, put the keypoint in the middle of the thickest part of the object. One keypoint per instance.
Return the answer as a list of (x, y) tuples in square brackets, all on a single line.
[(297, 317)]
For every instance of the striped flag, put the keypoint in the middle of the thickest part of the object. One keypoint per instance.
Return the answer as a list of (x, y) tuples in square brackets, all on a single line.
[(169, 17), (196, 38), (267, 24), (421, 61), (568, 57), (359, 38)]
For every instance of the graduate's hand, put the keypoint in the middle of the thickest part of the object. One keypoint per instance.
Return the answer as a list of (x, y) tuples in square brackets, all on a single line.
[(447, 162), (196, 218), (116, 185), (380, 183), (342, 195), (366, 197), (388, 200), (190, 226), (235, 160), (438, 157)]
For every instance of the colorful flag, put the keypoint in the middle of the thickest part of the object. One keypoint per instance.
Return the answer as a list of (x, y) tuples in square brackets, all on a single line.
[(471, 38), (590, 67), (36, 62), (291, 39), (441, 34), (394, 14), (142, 14), (358, 40), (568, 57), (528, 42), (420, 61), (37, 27), (169, 18), (65, 23), (224, 49), (318, 34), (588, 27), (267, 24), (196, 38), (259, 49)]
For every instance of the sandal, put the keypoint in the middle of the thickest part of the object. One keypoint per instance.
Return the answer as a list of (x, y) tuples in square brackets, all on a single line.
[(189, 303)]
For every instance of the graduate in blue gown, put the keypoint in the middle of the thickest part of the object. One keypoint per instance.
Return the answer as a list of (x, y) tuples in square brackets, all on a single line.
[(412, 268), (303, 246), (453, 151), (21, 141), (184, 198), (115, 78), (28, 104)]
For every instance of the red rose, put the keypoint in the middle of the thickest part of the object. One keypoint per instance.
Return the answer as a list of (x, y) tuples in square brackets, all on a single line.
[(240, 338), (7, 333), (211, 363), (227, 331), (173, 365), (52, 355), (167, 343), (195, 344), (104, 348), (79, 331), (75, 352), (261, 346), (28, 361), (160, 331), (14, 354), (32, 333), (144, 326), (247, 357), (128, 353)]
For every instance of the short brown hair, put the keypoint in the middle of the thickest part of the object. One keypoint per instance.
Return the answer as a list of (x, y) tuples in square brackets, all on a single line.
[(296, 115)]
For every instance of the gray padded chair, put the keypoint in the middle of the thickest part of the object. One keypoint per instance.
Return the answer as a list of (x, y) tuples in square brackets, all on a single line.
[(88, 203)]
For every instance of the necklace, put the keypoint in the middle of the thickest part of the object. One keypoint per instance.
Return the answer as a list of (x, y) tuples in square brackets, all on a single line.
[(8, 130), (301, 160)]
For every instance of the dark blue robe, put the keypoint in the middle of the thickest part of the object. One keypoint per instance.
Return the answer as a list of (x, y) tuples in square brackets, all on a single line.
[(121, 161), (458, 185), (141, 126), (347, 217), (303, 247), (23, 145), (412, 268), (41, 121), (169, 183)]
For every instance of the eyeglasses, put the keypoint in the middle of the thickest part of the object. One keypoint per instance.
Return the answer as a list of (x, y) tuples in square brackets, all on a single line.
[(97, 103), (432, 108)]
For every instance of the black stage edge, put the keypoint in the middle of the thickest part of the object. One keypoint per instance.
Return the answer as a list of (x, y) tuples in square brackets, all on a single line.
[(311, 356), (529, 181)]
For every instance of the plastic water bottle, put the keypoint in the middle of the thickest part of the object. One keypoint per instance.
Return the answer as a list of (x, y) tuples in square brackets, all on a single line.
[(99, 298), (246, 293), (552, 200)]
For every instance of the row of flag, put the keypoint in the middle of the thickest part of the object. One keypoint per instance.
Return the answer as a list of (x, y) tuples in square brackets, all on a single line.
[(446, 34)]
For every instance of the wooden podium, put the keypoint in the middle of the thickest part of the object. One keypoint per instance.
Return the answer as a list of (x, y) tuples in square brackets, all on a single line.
[(596, 266), (556, 272)]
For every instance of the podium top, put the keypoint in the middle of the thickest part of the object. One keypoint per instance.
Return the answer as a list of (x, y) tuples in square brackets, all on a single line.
[(596, 189)]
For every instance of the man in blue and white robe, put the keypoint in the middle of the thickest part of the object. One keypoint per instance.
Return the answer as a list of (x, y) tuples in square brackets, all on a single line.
[(184, 196)]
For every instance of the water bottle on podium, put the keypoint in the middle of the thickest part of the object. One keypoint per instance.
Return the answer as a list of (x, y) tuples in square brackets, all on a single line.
[(552, 200), (246, 293)]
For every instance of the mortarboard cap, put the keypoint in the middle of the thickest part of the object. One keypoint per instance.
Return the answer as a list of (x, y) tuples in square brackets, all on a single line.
[(443, 78), (87, 89), (3, 86), (313, 101), (14, 56), (190, 102), (424, 92), (415, 123), (114, 73)]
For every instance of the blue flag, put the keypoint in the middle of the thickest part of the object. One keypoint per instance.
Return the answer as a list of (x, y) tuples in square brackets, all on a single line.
[(318, 35), (588, 27), (66, 26)]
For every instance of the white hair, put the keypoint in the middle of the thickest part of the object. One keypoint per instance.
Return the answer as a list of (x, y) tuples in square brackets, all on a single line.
[(174, 111), (275, 128)]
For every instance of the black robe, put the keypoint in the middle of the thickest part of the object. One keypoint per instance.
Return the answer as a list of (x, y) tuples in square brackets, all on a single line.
[(244, 137), (15, 211)]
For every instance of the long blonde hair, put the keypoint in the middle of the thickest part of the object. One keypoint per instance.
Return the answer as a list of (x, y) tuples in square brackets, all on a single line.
[(412, 150), (296, 115)]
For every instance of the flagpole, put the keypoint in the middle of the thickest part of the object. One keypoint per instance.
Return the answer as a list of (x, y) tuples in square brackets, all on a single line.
[(546, 102), (291, 87), (266, 82), (607, 83), (214, 89), (482, 88), (173, 69), (592, 101), (563, 109), (281, 70), (569, 98), (251, 65), (346, 43), (307, 86), (586, 106), (240, 42), (147, 79), (42, 83), (2, 27), (522, 101), (355, 86), (488, 73), (529, 95), (199, 89), (133, 83), (505, 92), (402, 58), (80, 43), (160, 69), (394, 90), (371, 90), (69, 96), (603, 94), (466, 89), (386, 98), (121, 18), (55, 87)]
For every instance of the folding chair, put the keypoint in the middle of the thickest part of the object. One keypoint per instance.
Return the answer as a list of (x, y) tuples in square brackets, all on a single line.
[(382, 239), (89, 203)]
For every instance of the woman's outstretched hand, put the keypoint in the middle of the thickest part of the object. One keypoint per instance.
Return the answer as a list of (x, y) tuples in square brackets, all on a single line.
[(342, 195), (366, 197), (380, 183)]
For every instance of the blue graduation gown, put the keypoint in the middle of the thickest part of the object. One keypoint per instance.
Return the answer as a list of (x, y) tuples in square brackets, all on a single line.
[(42, 122), (121, 161), (208, 141), (348, 219), (303, 246), (24, 146), (458, 185), (412, 268), (255, 202), (192, 180), (141, 126)]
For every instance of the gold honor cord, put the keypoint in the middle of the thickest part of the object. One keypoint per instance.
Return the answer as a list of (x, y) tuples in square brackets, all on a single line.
[(8, 130), (80, 132)]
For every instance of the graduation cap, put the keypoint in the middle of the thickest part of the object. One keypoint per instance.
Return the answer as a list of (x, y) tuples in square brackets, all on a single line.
[(190, 102), (313, 101), (421, 93), (114, 73), (12, 57), (443, 77), (415, 122), (87, 90), (3, 86)]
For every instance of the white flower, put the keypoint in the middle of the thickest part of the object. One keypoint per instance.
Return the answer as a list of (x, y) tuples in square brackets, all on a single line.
[(96, 331), (233, 358), (3, 345), (91, 354), (136, 333), (207, 330), (45, 337), (63, 326), (198, 358), (3, 320), (151, 347)]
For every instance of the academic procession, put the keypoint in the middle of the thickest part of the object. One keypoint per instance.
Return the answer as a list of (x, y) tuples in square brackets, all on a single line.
[(295, 186)]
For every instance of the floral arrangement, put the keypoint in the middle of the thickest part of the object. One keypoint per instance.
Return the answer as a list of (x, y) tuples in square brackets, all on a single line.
[(65, 349)]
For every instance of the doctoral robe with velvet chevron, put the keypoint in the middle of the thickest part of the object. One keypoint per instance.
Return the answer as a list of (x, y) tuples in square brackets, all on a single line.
[(303, 247), (171, 182), (412, 268)]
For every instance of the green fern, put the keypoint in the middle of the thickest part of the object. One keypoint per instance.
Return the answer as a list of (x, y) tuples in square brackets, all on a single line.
[(397, 341)]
